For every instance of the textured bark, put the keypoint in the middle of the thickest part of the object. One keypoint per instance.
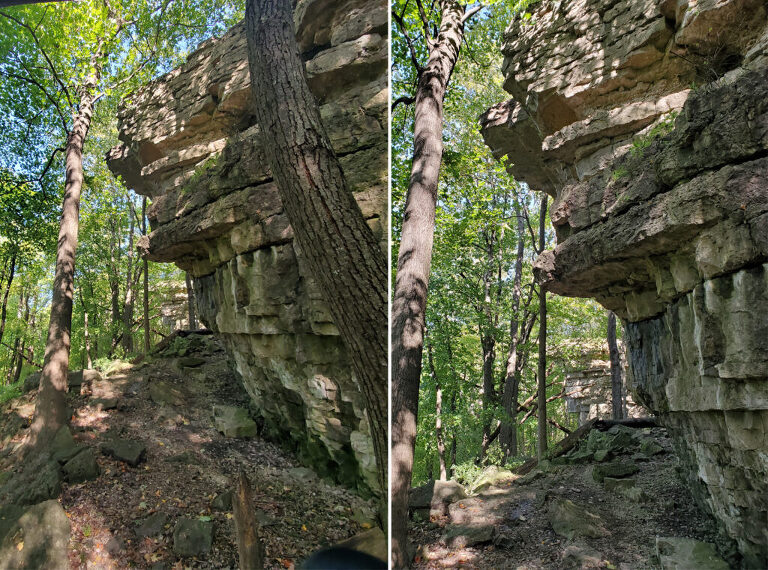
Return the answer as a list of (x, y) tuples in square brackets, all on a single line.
[(146, 278), (508, 435), (9, 282), (249, 546), (50, 412), (414, 260), (541, 448), (340, 250), (439, 436), (128, 305), (617, 396)]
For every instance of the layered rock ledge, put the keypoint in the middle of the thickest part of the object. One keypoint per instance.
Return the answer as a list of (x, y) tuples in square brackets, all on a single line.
[(648, 123), (190, 143)]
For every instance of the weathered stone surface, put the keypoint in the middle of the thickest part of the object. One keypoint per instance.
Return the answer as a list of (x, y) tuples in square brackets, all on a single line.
[(613, 470), (31, 382), (682, 553), (648, 123), (462, 536), (189, 143), (232, 421), (153, 525), (82, 467), (492, 475), (571, 520), (192, 537), (77, 378), (39, 481), (130, 451), (43, 534), (162, 392)]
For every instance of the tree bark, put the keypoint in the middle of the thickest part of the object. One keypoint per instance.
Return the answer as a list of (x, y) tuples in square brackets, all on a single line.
[(439, 437), (4, 309), (508, 435), (414, 260), (146, 279), (191, 320), (50, 411), (342, 253), (542, 371), (617, 388), (128, 305), (249, 546)]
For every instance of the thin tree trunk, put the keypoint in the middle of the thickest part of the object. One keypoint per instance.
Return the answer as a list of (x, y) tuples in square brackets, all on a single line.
[(50, 412), (414, 260), (542, 372), (617, 396), (508, 435), (452, 460), (191, 320), (342, 253), (146, 279), (439, 437), (114, 286), (4, 309), (128, 305)]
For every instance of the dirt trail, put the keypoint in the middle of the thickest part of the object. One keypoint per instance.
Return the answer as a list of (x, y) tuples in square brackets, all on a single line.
[(522, 511), (188, 463)]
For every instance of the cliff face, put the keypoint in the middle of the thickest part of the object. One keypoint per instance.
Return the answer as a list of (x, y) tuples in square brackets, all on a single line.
[(648, 123), (189, 142)]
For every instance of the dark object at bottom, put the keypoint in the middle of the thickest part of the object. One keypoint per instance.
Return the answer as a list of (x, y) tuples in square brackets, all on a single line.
[(338, 558)]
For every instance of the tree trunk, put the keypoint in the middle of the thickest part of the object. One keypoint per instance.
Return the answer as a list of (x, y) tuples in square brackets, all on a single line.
[(508, 435), (414, 260), (342, 253), (617, 396), (452, 460), (114, 287), (128, 305), (542, 372), (146, 278), (249, 546), (4, 309), (191, 320), (439, 437), (50, 412)]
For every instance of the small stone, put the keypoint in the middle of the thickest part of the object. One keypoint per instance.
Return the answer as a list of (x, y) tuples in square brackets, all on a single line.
[(613, 484), (615, 470), (462, 536), (187, 457), (571, 520), (192, 537), (650, 448), (191, 362), (222, 501), (162, 392), (130, 451), (104, 403), (582, 556), (601, 455), (82, 467), (232, 421), (683, 553), (302, 474), (114, 546), (153, 525)]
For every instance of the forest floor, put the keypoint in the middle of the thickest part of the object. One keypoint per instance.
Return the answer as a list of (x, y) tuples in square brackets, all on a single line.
[(188, 464), (598, 528)]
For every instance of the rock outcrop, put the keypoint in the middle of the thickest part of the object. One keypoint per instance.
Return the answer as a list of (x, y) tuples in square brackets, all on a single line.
[(648, 123), (190, 143)]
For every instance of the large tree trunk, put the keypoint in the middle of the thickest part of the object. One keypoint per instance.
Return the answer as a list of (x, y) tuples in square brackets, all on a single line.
[(414, 260), (50, 412), (617, 396), (146, 278), (340, 250), (542, 371), (508, 435)]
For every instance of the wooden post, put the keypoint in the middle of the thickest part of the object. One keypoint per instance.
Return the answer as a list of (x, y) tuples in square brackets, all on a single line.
[(249, 545)]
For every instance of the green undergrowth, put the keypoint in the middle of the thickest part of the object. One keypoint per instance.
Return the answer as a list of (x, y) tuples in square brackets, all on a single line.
[(10, 391)]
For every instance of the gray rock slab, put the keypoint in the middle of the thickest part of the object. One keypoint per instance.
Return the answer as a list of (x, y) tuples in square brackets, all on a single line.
[(192, 537), (153, 525), (686, 553), (82, 467), (461, 536), (130, 451), (571, 520), (232, 421), (38, 540)]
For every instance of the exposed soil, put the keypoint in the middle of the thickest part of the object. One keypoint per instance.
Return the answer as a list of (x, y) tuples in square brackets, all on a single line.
[(525, 539), (299, 513)]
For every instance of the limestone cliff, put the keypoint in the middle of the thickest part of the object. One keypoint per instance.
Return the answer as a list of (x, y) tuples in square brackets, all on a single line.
[(647, 122), (191, 145)]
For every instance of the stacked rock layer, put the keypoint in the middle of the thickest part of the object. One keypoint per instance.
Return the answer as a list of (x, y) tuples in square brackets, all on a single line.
[(190, 143), (647, 121)]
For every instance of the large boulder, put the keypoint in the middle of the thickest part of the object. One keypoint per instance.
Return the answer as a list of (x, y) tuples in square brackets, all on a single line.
[(571, 520), (434, 497), (37, 540), (232, 421)]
